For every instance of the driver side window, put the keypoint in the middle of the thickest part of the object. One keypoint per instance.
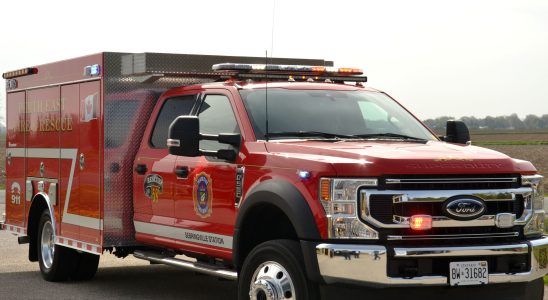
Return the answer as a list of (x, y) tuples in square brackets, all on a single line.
[(216, 116)]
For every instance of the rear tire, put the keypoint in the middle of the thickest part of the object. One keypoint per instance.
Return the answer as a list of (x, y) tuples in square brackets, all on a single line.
[(86, 266), (56, 262), (275, 270)]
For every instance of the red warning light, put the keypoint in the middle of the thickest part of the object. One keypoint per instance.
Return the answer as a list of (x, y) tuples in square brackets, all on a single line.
[(421, 222)]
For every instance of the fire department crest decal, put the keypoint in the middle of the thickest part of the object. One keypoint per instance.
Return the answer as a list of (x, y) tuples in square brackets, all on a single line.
[(202, 195), (154, 184)]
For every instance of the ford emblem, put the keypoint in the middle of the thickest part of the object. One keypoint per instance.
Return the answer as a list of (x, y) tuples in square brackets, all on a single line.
[(464, 208)]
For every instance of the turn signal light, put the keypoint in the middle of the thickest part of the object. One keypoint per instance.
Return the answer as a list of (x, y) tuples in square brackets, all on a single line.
[(325, 189), (421, 222)]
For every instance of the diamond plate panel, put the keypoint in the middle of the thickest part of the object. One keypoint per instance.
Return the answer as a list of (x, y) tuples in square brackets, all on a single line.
[(131, 86)]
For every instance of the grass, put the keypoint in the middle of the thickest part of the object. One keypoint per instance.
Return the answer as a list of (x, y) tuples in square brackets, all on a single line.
[(546, 279)]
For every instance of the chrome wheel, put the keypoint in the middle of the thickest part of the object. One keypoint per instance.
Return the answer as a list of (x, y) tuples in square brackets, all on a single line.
[(47, 244), (271, 281)]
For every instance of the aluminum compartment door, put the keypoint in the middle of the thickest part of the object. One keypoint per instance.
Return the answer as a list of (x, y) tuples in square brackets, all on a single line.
[(42, 140), (69, 191), (17, 126), (80, 169), (89, 159)]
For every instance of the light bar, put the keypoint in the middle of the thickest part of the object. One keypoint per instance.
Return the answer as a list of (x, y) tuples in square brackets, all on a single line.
[(289, 77), (300, 69), (19, 73)]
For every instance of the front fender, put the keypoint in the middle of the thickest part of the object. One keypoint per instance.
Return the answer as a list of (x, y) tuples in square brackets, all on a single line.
[(288, 199)]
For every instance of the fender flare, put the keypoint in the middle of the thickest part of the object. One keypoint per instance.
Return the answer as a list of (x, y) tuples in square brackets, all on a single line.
[(288, 199), (49, 205), (38, 199)]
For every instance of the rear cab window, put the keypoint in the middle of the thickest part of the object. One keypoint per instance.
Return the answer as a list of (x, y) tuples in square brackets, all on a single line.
[(171, 109)]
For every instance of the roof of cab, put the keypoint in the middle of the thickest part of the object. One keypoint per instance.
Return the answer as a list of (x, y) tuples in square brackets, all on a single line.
[(283, 85)]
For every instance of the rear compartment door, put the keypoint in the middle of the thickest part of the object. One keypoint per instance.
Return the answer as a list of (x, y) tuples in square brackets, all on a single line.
[(17, 127), (80, 180)]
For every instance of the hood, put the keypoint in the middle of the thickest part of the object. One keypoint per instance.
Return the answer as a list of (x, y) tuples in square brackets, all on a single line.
[(376, 158)]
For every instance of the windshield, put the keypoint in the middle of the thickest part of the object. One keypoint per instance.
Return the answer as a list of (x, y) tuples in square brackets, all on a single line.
[(330, 114)]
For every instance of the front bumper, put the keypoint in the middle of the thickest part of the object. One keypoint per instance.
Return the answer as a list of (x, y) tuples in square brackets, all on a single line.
[(367, 264)]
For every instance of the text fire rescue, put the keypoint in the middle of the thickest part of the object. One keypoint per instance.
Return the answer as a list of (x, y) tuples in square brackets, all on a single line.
[(49, 119)]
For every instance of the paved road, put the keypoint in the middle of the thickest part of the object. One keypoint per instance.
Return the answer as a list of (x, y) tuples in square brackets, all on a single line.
[(127, 278)]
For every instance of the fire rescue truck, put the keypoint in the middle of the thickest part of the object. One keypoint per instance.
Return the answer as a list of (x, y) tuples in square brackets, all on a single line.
[(285, 174)]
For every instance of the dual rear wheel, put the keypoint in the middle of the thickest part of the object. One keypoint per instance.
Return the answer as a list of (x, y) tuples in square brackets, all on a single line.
[(58, 263)]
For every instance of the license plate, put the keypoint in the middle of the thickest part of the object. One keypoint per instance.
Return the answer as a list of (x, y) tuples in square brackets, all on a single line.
[(468, 273)]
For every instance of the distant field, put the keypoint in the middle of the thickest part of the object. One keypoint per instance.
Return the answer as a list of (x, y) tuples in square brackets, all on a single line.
[(530, 146), (510, 138)]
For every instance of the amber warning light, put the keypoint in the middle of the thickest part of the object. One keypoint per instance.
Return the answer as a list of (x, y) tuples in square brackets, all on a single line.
[(421, 222), (19, 73)]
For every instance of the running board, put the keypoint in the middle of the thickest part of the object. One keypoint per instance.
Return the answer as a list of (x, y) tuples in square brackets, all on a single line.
[(179, 263)]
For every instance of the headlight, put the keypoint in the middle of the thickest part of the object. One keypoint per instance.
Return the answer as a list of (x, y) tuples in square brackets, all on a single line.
[(535, 226), (339, 198)]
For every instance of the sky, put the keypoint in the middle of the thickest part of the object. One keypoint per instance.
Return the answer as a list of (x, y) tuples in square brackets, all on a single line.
[(438, 58)]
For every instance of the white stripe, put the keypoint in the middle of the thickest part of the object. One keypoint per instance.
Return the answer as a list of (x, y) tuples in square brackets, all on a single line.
[(62, 153), (13, 229), (200, 237), (83, 221), (94, 248), (16, 152)]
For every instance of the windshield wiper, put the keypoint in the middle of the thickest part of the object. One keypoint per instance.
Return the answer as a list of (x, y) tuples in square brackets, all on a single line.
[(320, 134), (389, 135)]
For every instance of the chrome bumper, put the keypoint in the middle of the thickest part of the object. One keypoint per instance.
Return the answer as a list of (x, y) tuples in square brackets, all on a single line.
[(367, 264)]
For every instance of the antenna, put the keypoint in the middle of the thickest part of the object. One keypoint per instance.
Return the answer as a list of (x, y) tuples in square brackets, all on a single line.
[(266, 97), (272, 28)]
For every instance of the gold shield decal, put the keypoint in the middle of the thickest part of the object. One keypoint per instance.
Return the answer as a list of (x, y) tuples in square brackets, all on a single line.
[(154, 184), (202, 195)]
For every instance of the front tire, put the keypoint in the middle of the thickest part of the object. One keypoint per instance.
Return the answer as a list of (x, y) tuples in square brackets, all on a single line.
[(274, 270), (56, 262)]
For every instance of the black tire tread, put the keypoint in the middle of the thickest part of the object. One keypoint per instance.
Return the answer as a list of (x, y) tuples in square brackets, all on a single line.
[(63, 260), (286, 252)]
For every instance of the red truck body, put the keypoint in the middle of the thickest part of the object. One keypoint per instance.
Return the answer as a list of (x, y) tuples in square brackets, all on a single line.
[(82, 148)]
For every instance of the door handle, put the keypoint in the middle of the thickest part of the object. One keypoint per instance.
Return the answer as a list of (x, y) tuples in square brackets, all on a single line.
[(141, 169), (181, 172)]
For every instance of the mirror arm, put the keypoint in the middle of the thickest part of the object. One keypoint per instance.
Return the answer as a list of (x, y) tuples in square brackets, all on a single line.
[(208, 153), (209, 137), (227, 154)]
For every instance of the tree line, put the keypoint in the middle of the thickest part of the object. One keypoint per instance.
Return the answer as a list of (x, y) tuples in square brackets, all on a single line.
[(511, 122)]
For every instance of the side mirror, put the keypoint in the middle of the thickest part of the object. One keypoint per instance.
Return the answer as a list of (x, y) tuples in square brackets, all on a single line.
[(184, 136), (184, 139), (457, 132)]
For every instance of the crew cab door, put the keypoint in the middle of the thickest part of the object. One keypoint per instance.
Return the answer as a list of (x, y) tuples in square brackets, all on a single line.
[(153, 178), (205, 190)]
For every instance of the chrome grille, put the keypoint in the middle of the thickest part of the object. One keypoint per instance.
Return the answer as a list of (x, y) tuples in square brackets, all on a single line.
[(449, 182), (397, 198)]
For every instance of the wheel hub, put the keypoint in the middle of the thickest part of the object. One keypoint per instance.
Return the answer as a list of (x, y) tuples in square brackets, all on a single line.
[(271, 281), (47, 244)]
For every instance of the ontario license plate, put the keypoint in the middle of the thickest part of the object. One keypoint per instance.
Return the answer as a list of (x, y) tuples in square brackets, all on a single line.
[(468, 273)]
